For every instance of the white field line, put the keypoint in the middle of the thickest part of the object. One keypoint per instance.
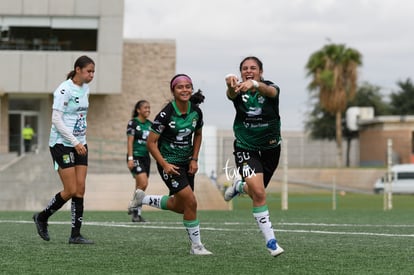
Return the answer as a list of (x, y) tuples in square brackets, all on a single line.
[(219, 227)]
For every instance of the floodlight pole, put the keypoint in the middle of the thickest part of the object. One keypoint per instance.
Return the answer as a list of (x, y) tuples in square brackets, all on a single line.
[(388, 183)]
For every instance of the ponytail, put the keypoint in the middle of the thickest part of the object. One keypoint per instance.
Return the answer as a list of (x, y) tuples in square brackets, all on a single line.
[(197, 98), (70, 75)]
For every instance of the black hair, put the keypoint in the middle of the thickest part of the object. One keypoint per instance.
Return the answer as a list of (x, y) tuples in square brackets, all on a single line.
[(197, 98), (138, 106), (259, 63), (81, 62)]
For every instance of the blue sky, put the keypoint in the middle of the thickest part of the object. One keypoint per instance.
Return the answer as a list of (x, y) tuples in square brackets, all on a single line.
[(212, 37)]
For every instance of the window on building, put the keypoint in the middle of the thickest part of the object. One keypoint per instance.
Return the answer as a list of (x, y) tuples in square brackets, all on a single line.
[(49, 34)]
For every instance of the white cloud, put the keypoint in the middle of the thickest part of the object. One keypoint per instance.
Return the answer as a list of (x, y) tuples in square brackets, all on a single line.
[(213, 36)]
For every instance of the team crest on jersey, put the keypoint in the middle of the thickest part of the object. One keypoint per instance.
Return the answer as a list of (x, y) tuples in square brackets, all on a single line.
[(138, 128), (62, 91), (260, 99)]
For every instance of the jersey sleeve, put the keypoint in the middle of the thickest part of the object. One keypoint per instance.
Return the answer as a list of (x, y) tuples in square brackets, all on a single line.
[(161, 120), (61, 97), (270, 83), (131, 128)]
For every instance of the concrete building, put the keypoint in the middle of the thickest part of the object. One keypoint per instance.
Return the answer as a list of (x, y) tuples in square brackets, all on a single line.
[(40, 41), (374, 135)]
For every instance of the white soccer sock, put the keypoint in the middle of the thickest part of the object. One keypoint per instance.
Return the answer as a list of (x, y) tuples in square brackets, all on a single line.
[(193, 231), (261, 215), (153, 200)]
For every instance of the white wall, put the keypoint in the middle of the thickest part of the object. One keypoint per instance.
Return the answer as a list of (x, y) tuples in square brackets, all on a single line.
[(42, 71)]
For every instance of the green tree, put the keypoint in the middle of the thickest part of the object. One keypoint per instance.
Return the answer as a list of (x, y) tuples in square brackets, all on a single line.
[(334, 78), (369, 95), (321, 124), (402, 102)]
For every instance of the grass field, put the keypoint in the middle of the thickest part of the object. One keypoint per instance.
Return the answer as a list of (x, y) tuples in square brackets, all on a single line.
[(356, 238)]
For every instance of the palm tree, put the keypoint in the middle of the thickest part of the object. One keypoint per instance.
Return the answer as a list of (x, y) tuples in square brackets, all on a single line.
[(334, 75)]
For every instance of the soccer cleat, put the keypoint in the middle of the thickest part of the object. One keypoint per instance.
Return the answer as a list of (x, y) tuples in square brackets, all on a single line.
[(130, 210), (136, 200), (41, 228), (79, 240), (231, 191), (274, 249), (199, 249), (138, 218)]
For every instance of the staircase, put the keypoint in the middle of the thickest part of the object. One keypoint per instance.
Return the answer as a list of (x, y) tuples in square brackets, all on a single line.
[(29, 182)]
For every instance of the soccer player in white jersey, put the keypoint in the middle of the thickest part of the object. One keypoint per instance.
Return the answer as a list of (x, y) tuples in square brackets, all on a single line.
[(68, 148)]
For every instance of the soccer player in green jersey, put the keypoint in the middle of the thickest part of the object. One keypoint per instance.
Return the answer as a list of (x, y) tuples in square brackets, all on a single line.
[(138, 159), (174, 142), (257, 140)]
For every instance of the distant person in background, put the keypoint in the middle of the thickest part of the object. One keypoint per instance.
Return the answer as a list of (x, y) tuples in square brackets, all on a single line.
[(28, 134), (213, 177), (256, 128), (69, 149), (174, 142), (138, 159)]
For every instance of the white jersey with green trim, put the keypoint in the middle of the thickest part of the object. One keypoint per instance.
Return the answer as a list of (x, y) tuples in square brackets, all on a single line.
[(73, 101)]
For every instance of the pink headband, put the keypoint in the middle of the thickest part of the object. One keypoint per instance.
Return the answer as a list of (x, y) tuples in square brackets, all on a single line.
[(180, 78)]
